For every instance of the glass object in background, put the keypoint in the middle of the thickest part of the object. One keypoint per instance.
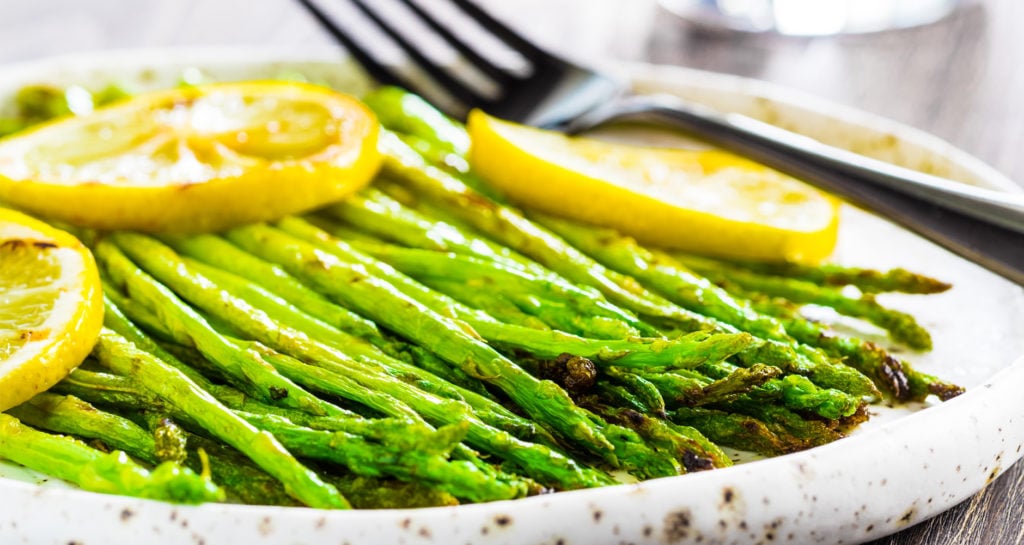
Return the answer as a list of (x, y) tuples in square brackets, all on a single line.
[(811, 17)]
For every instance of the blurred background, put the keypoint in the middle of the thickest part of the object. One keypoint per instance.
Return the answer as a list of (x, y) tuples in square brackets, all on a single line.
[(961, 78)]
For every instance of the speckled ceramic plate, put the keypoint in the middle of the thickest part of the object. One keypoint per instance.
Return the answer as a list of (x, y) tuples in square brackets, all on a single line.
[(899, 469)]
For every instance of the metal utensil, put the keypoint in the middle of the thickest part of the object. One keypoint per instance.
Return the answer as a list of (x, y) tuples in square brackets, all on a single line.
[(982, 225)]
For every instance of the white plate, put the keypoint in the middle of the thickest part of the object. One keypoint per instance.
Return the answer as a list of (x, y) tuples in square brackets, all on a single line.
[(899, 469)]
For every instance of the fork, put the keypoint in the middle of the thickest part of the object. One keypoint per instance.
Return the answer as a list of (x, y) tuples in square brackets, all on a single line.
[(981, 225)]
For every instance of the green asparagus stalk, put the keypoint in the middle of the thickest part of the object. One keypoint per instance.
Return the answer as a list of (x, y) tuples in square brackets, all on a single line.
[(369, 447), (169, 440), (898, 378), (773, 352), (222, 254), (694, 391), (799, 432), (354, 286), (405, 112), (189, 328), (108, 473), (217, 252), (733, 430), (866, 280), (902, 327), (693, 451), (496, 305), (665, 276), (402, 450), (121, 356), (376, 493), (344, 376), (515, 231), (72, 416), (375, 212), (263, 317), (100, 388), (283, 313), (645, 391), (513, 275), (582, 313), (247, 483), (686, 351)]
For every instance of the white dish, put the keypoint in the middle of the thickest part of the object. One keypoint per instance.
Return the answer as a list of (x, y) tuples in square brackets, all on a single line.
[(900, 468)]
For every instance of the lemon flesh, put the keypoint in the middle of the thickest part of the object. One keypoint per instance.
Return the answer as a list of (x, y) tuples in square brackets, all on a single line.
[(194, 159), (708, 202), (51, 306)]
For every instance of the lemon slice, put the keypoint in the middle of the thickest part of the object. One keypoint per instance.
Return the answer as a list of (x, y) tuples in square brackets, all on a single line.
[(194, 159), (51, 306), (708, 202)]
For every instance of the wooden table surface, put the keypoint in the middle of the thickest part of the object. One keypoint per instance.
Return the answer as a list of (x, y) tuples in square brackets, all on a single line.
[(961, 79)]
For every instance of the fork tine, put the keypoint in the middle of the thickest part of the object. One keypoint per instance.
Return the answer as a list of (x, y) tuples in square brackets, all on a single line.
[(511, 38), (459, 90), (377, 70), (480, 62)]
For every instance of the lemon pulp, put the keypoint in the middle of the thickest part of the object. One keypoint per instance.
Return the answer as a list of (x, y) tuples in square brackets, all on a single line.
[(709, 202), (194, 159), (51, 306)]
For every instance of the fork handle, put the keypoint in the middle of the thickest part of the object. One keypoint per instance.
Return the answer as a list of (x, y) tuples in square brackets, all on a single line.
[(984, 226)]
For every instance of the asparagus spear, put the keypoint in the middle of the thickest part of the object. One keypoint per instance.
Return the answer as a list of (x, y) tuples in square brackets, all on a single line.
[(689, 389), (738, 431), (829, 403), (687, 445), (72, 416), (220, 253), (579, 309), (121, 356), (515, 275), (476, 296), (392, 446), (90, 469), (897, 377), (799, 432), (283, 313), (542, 400), (375, 212), (512, 229), (228, 257), (902, 327), (400, 449), (693, 350), (646, 392), (664, 275), (406, 112), (247, 483), (344, 376), (169, 439), (190, 328), (866, 280)]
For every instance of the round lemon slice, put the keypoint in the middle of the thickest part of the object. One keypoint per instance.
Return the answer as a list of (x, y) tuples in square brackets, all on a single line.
[(708, 202), (194, 159), (51, 306)]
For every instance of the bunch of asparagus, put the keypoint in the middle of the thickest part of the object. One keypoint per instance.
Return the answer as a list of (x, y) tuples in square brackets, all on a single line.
[(423, 343)]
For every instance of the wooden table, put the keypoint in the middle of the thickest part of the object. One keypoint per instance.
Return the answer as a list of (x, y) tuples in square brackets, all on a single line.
[(961, 79)]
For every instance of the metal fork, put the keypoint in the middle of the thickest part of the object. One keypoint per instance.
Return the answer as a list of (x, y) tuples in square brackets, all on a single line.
[(982, 225)]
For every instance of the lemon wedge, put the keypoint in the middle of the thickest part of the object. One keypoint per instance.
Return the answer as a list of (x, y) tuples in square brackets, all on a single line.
[(51, 306), (708, 202), (194, 159)]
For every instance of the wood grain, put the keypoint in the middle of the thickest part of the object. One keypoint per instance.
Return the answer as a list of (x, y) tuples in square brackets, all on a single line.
[(961, 79)]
